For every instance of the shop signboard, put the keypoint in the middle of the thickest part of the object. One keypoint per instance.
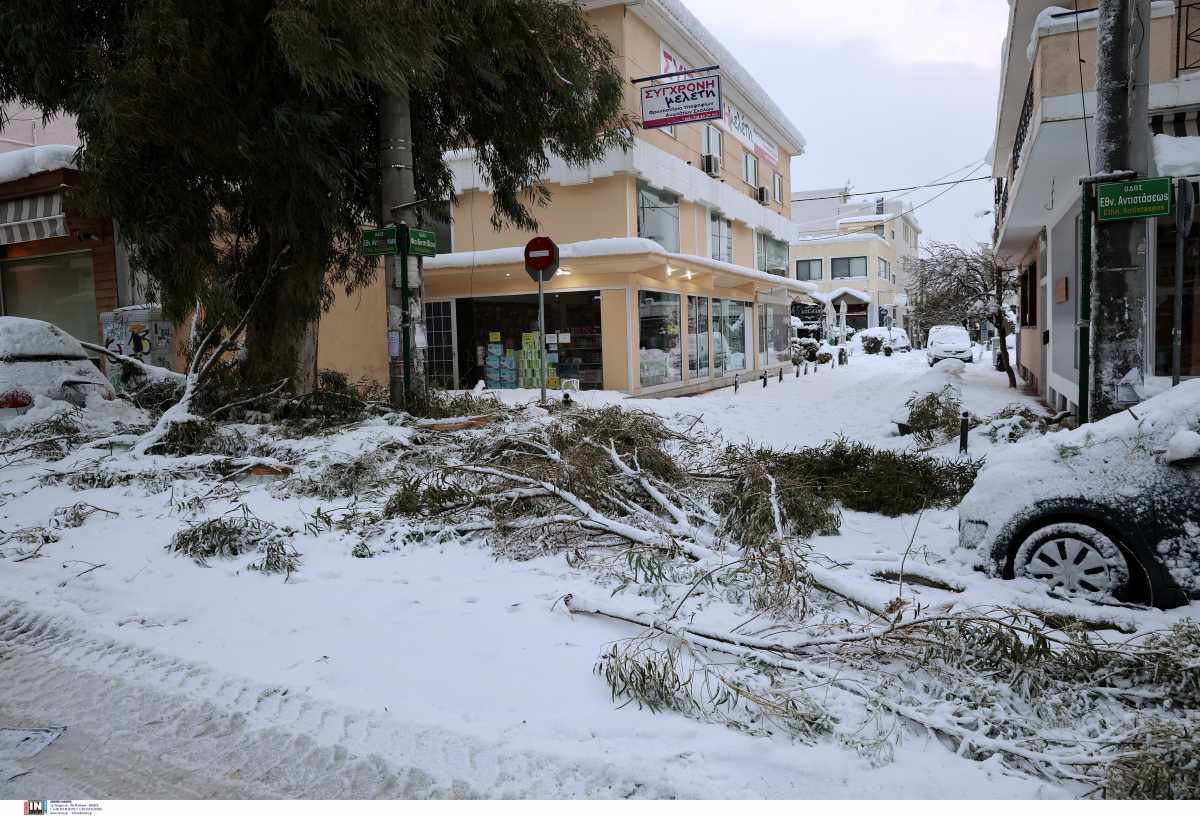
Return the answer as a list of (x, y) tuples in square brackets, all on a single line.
[(731, 120), (695, 99), (1138, 198)]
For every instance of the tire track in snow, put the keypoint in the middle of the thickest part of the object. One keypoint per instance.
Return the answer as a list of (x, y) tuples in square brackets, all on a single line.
[(144, 725)]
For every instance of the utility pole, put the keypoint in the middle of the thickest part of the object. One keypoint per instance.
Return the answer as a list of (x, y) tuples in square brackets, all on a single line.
[(1118, 319), (402, 277)]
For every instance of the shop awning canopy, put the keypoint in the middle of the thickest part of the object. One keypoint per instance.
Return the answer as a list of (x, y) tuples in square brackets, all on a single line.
[(32, 218)]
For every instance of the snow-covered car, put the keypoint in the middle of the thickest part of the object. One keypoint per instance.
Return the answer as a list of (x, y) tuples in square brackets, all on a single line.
[(948, 343), (1110, 509), (38, 359)]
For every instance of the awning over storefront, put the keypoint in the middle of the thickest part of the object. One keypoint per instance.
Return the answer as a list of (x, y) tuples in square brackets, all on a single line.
[(32, 218)]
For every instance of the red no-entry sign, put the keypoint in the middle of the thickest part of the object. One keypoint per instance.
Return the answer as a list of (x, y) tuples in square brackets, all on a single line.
[(541, 258)]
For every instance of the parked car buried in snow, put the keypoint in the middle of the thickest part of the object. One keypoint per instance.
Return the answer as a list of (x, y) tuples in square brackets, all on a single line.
[(38, 359), (1110, 509), (948, 343)]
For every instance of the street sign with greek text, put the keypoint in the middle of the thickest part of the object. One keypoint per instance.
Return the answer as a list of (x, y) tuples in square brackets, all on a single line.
[(1139, 198), (422, 242), (380, 242)]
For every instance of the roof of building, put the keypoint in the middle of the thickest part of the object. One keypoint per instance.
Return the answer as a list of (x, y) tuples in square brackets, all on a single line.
[(29, 161), (841, 291)]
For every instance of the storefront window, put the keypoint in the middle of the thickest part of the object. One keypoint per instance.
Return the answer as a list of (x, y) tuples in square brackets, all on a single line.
[(698, 333), (774, 331), (730, 321), (439, 336), (661, 355), (59, 289), (498, 340), (658, 216)]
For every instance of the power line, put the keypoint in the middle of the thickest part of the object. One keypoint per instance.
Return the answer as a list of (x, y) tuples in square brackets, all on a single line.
[(896, 189), (951, 186)]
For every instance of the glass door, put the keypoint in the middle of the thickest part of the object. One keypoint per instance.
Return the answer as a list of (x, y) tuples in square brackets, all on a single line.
[(698, 337)]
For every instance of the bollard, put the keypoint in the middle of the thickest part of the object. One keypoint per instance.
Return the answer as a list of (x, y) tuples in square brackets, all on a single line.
[(781, 373), (963, 429), (735, 383), (806, 368), (797, 371)]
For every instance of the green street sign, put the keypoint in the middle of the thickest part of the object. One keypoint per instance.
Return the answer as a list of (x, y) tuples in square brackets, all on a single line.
[(422, 242), (380, 242), (1139, 198)]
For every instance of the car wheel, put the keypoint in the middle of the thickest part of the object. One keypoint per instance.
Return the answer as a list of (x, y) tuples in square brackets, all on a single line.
[(1076, 559)]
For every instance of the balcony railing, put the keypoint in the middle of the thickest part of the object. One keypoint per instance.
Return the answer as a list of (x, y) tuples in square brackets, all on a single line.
[(1022, 129), (1187, 36)]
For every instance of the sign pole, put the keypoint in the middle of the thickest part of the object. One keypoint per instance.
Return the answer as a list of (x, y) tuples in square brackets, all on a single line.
[(542, 336), (541, 263), (405, 321), (1084, 328)]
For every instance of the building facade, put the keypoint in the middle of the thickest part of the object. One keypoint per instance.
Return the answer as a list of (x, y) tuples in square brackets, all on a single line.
[(675, 255), (1045, 142), (857, 253)]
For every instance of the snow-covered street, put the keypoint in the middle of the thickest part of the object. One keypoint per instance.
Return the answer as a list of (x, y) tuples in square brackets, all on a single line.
[(427, 670)]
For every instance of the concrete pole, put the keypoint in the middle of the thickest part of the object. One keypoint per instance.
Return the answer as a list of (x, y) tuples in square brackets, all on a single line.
[(398, 194), (1118, 322)]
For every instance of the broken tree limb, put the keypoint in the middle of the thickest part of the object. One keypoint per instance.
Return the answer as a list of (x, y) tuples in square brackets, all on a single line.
[(754, 649)]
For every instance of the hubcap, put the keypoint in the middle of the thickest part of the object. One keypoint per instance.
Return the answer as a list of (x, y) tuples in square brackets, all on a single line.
[(1071, 564)]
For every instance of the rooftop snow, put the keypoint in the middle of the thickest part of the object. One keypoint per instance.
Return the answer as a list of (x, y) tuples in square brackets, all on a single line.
[(29, 161), (1059, 20), (1177, 155), (829, 297), (839, 237), (865, 219)]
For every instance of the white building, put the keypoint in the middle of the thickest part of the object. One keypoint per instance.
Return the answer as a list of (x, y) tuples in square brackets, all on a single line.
[(856, 252)]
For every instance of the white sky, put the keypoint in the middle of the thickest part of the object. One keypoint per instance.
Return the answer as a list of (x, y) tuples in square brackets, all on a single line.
[(887, 92)]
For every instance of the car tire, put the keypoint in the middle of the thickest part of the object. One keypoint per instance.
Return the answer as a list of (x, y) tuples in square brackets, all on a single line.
[(1077, 559)]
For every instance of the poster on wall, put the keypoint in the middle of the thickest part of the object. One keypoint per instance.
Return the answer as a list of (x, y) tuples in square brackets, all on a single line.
[(731, 120), (675, 103)]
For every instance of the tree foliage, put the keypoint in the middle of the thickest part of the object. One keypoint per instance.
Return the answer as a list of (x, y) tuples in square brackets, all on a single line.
[(953, 285), (238, 139)]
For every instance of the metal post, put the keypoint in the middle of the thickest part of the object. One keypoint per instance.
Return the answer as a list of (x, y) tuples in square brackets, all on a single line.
[(1183, 224), (1085, 301), (964, 428), (406, 339), (542, 336)]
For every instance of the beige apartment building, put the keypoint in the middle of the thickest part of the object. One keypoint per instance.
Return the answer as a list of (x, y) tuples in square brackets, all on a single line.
[(675, 273), (857, 253), (1045, 142)]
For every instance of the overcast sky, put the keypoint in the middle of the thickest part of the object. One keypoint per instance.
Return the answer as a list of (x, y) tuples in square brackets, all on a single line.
[(888, 93)]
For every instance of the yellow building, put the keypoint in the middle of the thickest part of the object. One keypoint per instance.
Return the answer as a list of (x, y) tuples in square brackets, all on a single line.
[(675, 263)]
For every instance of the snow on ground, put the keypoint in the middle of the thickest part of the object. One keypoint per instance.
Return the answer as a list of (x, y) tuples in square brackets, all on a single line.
[(856, 400), (449, 637)]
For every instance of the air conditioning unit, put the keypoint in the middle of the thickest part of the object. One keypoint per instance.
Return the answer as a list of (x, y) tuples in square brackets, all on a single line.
[(711, 165), (763, 196)]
